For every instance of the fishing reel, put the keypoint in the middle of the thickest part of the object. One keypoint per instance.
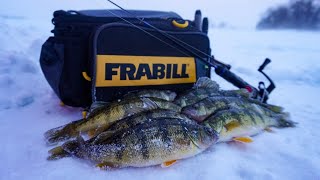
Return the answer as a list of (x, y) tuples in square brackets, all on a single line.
[(262, 93)]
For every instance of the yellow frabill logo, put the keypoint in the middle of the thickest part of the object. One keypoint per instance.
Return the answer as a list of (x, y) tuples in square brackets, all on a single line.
[(116, 70)]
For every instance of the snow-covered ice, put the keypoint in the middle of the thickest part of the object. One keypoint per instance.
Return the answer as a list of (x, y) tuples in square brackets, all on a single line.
[(28, 107)]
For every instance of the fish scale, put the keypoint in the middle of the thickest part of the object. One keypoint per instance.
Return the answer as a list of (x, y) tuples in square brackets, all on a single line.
[(153, 93), (211, 105), (146, 144), (238, 122), (104, 117), (141, 139), (148, 117)]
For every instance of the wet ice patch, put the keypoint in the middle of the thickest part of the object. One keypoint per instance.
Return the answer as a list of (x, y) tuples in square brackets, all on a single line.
[(28, 68), (21, 80), (6, 80), (18, 79), (5, 104), (24, 100)]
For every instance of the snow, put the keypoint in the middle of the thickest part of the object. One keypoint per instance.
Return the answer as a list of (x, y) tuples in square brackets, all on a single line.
[(28, 106)]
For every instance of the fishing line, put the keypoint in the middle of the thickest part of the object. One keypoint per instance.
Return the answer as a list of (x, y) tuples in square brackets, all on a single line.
[(161, 31), (172, 38), (146, 32)]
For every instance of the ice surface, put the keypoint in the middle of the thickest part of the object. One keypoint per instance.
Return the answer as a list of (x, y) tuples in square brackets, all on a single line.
[(28, 107)]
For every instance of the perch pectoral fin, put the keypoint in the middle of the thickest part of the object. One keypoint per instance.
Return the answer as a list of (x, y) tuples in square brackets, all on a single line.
[(168, 163), (243, 139)]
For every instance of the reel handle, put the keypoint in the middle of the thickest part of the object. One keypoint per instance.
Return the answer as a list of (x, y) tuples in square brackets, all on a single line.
[(264, 64)]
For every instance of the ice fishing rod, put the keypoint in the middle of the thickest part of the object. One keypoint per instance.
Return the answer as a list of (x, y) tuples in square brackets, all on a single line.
[(221, 69)]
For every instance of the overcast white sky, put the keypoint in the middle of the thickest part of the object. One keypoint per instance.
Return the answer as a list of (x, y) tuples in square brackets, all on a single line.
[(241, 13)]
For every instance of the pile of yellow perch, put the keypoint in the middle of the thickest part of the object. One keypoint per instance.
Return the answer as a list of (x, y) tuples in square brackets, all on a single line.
[(152, 127)]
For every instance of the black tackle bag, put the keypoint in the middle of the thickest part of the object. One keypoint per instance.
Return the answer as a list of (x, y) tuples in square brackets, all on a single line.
[(99, 55)]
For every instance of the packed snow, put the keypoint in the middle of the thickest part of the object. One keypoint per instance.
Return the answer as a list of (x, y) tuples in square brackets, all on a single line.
[(29, 107)]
